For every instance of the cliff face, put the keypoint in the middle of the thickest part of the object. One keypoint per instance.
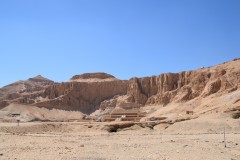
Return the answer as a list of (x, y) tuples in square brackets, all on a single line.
[(204, 82), (179, 87), (81, 96), (89, 92)]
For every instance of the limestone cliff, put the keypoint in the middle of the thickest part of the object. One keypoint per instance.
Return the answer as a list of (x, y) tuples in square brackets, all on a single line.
[(81, 96), (178, 87), (92, 91)]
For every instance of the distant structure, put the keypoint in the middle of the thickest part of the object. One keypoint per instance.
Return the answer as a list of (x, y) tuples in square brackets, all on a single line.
[(125, 115)]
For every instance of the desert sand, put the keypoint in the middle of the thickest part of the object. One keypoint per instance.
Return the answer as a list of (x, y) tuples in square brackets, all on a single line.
[(87, 140)]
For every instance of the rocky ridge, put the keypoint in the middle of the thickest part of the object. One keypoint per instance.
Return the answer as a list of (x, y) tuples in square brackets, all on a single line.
[(92, 91)]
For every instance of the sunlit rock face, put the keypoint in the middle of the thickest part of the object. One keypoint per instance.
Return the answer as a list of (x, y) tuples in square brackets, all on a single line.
[(91, 91)]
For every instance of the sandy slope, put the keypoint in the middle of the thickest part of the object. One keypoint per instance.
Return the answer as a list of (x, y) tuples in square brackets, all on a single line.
[(31, 113), (214, 105)]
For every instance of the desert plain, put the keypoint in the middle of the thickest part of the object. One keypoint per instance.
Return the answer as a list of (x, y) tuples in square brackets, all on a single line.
[(87, 140)]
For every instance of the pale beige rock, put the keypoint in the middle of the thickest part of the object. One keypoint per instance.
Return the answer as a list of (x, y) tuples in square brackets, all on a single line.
[(89, 92)]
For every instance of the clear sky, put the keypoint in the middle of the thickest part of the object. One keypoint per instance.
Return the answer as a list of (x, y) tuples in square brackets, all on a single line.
[(125, 38)]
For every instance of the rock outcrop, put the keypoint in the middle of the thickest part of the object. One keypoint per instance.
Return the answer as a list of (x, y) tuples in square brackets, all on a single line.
[(93, 77), (24, 92), (89, 92), (81, 96)]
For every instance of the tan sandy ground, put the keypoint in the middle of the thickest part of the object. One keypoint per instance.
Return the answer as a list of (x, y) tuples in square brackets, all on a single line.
[(76, 141)]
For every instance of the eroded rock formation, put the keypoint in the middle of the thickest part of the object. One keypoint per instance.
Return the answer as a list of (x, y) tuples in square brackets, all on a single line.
[(24, 92), (89, 92), (81, 96)]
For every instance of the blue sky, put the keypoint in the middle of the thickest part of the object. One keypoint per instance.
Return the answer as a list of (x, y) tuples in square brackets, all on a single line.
[(125, 38)]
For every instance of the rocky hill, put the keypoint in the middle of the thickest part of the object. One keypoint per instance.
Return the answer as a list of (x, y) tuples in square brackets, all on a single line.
[(24, 91), (89, 92), (93, 77)]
